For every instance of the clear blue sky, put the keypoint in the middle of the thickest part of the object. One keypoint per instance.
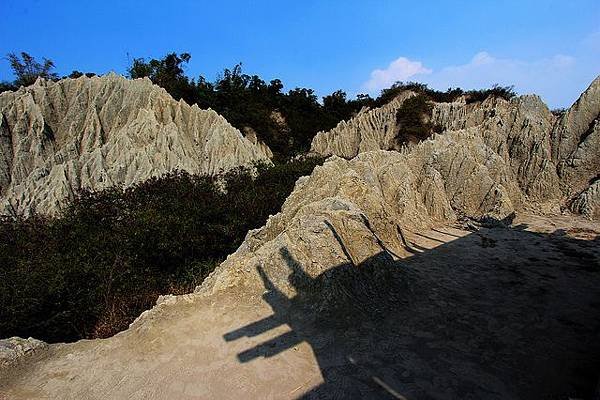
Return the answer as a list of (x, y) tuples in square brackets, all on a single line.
[(548, 47)]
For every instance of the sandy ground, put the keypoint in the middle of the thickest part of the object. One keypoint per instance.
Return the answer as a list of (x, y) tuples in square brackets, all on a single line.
[(500, 313)]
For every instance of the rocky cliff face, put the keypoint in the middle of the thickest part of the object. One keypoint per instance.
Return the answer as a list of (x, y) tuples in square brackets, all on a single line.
[(369, 202), (59, 137), (576, 141), (549, 157), (369, 130), (518, 130)]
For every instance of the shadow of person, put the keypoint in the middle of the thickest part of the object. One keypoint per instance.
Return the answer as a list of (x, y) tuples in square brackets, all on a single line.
[(440, 324)]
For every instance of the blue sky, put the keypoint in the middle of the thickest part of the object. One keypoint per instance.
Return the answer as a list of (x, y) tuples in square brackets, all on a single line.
[(548, 47)]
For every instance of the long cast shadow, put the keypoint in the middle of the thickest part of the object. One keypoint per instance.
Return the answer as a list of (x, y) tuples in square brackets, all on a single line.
[(457, 321)]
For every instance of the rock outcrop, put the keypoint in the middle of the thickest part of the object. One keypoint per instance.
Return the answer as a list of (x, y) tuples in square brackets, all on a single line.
[(576, 151), (518, 130), (12, 349), (576, 137), (370, 200), (588, 201), (550, 157), (370, 130), (59, 137)]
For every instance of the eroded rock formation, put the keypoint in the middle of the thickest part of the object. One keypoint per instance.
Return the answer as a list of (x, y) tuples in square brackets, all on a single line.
[(588, 201), (369, 130), (369, 215), (371, 199), (59, 137), (549, 156)]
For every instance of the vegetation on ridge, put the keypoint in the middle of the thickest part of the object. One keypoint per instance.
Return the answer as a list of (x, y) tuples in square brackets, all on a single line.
[(91, 272), (413, 118), (285, 121)]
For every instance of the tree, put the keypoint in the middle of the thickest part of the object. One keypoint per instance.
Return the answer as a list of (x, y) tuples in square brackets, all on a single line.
[(167, 73), (6, 86), (76, 74), (27, 69)]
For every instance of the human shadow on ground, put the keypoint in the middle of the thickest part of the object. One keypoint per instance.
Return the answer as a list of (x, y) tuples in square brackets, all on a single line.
[(514, 316)]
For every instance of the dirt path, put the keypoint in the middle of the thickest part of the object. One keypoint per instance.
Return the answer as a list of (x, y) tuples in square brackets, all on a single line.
[(496, 314)]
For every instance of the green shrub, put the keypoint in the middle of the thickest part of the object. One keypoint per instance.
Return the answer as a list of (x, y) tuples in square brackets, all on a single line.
[(413, 120), (504, 92), (93, 270), (452, 94)]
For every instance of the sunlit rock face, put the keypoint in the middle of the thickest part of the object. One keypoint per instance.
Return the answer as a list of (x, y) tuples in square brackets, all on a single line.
[(59, 137), (548, 157), (369, 130), (576, 141)]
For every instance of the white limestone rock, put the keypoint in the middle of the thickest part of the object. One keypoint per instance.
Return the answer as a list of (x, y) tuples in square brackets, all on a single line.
[(369, 130), (59, 137), (587, 202)]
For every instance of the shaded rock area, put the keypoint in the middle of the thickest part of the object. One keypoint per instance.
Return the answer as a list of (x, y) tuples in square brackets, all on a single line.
[(59, 137)]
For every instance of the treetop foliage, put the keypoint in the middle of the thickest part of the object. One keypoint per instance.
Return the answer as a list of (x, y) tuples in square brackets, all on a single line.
[(450, 95), (27, 69)]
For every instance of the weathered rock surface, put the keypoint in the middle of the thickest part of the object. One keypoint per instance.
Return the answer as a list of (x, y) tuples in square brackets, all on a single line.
[(518, 130), (252, 136), (588, 202), (59, 137), (369, 130), (550, 157), (12, 349), (575, 140), (371, 199)]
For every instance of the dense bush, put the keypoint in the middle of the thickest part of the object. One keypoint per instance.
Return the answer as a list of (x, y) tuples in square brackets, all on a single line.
[(504, 92), (413, 120), (452, 94), (6, 86), (76, 74), (91, 271)]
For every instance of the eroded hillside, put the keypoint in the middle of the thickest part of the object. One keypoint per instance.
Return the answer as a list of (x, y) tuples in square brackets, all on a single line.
[(90, 133), (550, 157), (400, 274)]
